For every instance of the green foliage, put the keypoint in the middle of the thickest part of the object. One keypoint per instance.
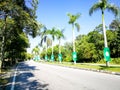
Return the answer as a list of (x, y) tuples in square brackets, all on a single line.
[(113, 61), (53, 32), (89, 47), (29, 56), (36, 50), (17, 20), (67, 52), (116, 61), (73, 18), (86, 51), (102, 5), (115, 40)]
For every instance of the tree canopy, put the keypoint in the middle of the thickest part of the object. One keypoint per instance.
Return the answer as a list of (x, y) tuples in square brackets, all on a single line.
[(17, 20)]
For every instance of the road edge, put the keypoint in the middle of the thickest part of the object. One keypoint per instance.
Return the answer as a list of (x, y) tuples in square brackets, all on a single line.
[(94, 70)]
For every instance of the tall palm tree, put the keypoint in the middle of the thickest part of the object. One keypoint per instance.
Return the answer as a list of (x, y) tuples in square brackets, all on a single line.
[(53, 34), (59, 36), (103, 5), (48, 43), (36, 51), (72, 21), (44, 37)]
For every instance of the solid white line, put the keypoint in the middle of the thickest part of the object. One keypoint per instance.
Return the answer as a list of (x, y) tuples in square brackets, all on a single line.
[(13, 82)]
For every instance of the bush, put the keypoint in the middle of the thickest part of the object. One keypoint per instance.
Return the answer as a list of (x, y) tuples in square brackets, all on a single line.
[(68, 58), (113, 61), (116, 60)]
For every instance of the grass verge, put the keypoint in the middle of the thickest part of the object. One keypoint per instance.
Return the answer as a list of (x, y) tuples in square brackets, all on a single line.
[(94, 66)]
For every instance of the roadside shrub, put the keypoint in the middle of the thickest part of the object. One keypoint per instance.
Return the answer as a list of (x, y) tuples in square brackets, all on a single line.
[(113, 61), (116, 60)]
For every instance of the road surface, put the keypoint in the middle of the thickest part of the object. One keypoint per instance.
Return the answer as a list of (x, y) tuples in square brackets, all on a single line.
[(31, 75)]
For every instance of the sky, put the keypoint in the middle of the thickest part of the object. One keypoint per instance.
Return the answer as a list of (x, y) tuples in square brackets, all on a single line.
[(53, 13)]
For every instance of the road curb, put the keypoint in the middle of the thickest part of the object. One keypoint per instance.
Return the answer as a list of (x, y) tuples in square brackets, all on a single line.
[(102, 71), (94, 70)]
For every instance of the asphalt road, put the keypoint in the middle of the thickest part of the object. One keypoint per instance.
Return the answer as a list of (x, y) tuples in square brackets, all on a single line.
[(38, 76)]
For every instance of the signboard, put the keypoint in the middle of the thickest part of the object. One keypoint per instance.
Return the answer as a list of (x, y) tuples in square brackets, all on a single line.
[(46, 58), (74, 55), (52, 57), (36, 58), (106, 54), (60, 57)]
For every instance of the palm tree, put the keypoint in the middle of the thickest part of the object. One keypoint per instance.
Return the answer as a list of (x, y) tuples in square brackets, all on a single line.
[(103, 5), (35, 51), (59, 36), (44, 38), (48, 43), (53, 34), (72, 20)]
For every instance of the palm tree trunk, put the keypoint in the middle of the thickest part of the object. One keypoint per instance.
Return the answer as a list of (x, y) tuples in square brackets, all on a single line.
[(59, 47), (59, 51), (46, 50), (52, 47), (46, 47), (104, 33), (52, 56), (2, 54), (73, 37), (2, 50), (3, 41)]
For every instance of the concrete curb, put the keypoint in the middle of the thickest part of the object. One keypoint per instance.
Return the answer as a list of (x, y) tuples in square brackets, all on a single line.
[(94, 70), (101, 71)]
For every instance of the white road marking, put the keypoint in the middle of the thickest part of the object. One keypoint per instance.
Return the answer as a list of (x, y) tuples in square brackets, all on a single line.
[(13, 82)]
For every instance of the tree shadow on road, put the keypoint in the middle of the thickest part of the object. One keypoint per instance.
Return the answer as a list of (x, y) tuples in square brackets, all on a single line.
[(25, 80)]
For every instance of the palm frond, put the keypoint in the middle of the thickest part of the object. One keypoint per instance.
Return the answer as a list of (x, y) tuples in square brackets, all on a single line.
[(94, 8), (77, 15), (69, 14), (41, 42), (77, 26), (73, 18), (113, 8)]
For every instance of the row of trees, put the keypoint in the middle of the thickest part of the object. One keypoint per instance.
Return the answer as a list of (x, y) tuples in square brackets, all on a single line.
[(17, 20), (90, 47)]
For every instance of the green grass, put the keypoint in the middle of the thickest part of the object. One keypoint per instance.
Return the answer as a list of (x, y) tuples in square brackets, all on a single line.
[(94, 66)]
